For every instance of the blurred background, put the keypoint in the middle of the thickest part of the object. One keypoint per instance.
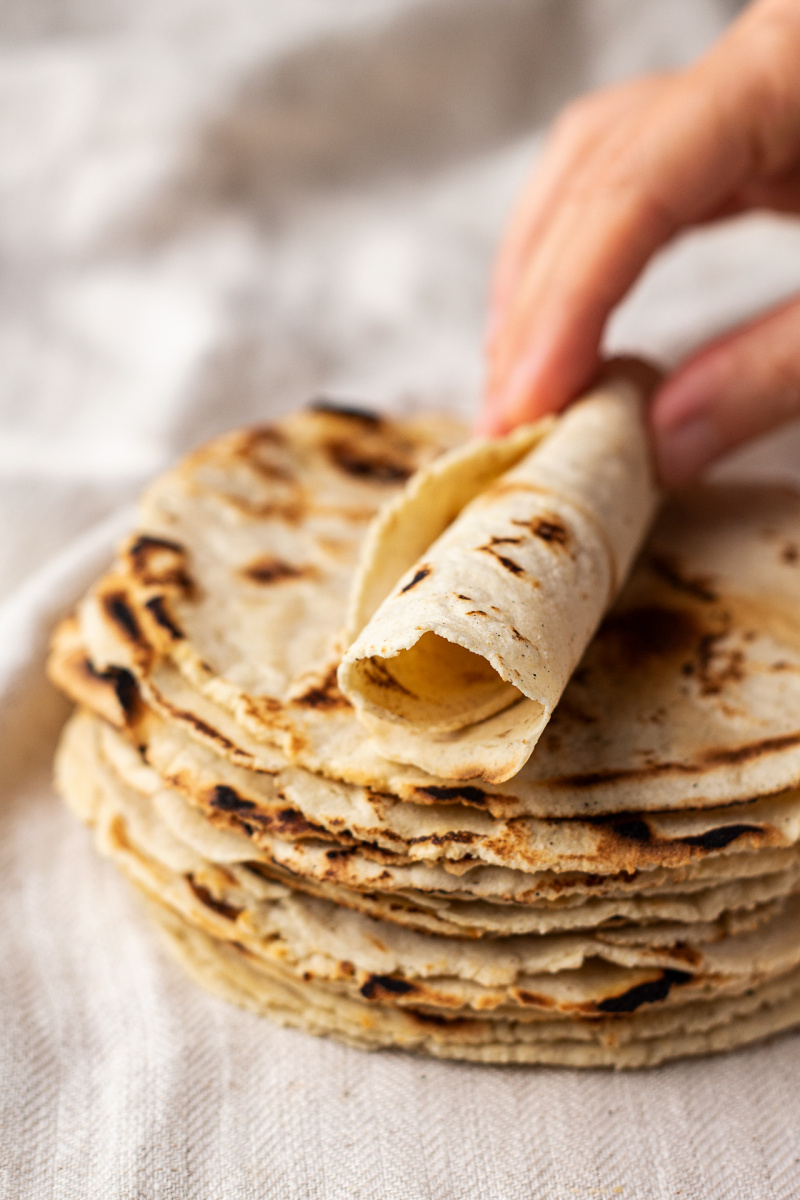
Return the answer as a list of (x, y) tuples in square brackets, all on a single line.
[(215, 209)]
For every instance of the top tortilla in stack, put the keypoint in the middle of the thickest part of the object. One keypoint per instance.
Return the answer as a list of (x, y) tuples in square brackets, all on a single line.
[(660, 791)]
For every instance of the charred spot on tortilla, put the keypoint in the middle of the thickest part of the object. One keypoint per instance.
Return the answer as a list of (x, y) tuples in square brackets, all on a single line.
[(125, 689), (120, 681), (451, 794), (123, 616), (790, 553), (547, 529), (712, 758), (644, 993), (372, 987), (430, 1018), (718, 839), (262, 449), (157, 607), (668, 569), (457, 837), (378, 674), (550, 529), (363, 462), (325, 695), (291, 511), (637, 636), (266, 570), (532, 999), (202, 727), (508, 563), (257, 435), (157, 561), (367, 416), (226, 799), (626, 825), (205, 897), (717, 667), (291, 820), (421, 574)]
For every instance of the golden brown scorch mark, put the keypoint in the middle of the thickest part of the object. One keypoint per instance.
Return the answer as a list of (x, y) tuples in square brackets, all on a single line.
[(159, 562), (421, 574), (385, 987), (352, 412), (205, 897), (111, 693), (668, 568), (508, 563), (635, 637), (644, 993), (121, 613), (632, 827), (323, 695), (158, 609), (725, 756), (368, 462), (266, 570), (378, 674), (549, 529), (263, 449)]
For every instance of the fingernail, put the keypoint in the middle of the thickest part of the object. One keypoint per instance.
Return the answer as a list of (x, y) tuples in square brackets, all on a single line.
[(684, 450)]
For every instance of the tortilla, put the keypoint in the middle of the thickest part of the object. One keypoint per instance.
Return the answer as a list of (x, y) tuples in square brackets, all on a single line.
[(295, 804), (576, 973), (230, 826), (459, 669), (631, 895), (721, 1025), (686, 697)]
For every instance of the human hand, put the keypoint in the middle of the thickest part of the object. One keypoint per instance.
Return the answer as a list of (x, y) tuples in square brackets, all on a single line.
[(624, 170)]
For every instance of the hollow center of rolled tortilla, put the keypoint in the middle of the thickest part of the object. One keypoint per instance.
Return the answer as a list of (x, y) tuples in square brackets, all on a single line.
[(436, 684)]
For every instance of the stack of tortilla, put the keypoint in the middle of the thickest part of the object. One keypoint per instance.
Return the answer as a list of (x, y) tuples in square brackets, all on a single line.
[(355, 718)]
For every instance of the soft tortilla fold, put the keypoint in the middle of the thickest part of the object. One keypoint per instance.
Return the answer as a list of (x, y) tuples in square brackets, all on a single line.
[(458, 669)]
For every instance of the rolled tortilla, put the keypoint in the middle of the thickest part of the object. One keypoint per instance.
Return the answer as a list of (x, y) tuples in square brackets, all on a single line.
[(458, 669)]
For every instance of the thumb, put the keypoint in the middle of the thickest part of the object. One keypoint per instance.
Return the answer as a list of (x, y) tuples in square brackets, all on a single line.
[(735, 388)]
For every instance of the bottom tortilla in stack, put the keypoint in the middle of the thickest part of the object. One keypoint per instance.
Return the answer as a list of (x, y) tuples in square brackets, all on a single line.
[(629, 897)]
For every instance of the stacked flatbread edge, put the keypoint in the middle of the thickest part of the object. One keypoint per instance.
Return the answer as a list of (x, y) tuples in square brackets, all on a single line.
[(631, 895)]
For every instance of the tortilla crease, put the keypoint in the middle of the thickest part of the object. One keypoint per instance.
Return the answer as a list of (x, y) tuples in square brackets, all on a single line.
[(631, 895), (461, 666)]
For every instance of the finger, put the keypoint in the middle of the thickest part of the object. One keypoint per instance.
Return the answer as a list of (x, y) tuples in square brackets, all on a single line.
[(675, 167), (739, 386), (574, 138), (719, 126)]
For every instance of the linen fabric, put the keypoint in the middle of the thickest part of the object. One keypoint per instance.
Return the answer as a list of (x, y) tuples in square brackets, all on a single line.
[(212, 214)]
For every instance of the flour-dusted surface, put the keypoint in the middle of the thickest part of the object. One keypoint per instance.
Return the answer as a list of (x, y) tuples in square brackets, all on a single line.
[(211, 211)]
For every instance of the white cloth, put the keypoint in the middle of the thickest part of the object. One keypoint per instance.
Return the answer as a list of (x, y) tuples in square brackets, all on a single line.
[(212, 209)]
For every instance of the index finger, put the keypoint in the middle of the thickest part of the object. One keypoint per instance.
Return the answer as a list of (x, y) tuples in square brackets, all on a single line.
[(672, 166)]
